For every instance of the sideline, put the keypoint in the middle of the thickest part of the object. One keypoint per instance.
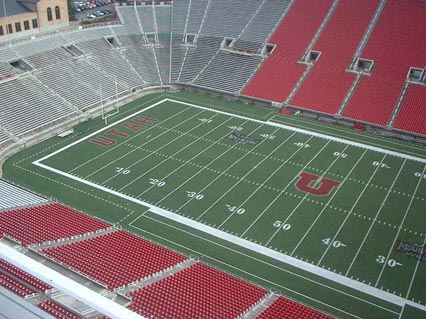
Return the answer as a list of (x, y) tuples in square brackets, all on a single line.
[(400, 301)]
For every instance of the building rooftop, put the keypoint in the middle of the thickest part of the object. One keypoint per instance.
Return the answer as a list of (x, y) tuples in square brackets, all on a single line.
[(14, 7)]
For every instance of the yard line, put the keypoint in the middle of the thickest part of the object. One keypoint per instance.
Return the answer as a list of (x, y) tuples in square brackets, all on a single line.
[(227, 169), (288, 185), (375, 218), (306, 196), (316, 134), (174, 154), (189, 161), (221, 174), (400, 227), (208, 164), (352, 208), (266, 180), (134, 150), (415, 271), (266, 263), (328, 202), (239, 181), (118, 145)]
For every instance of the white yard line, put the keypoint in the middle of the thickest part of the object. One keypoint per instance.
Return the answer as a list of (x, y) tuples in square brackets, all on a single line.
[(351, 210), (250, 257), (288, 185), (400, 227), (206, 166), (134, 150), (261, 278), (235, 239), (415, 272), (224, 172), (328, 203), (139, 147), (110, 126), (281, 192), (185, 162), (174, 154), (375, 218), (260, 185), (290, 128), (246, 244)]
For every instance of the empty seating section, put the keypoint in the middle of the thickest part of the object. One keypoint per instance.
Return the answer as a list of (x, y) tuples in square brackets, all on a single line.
[(39, 46), (130, 19), (55, 56), (195, 16), (196, 292), (198, 57), (141, 57), (12, 196), (15, 286), (221, 18), (397, 43), (179, 15), (163, 56), (4, 138), (7, 54), (228, 72), (146, 17), (47, 222), (163, 19), (25, 278), (89, 34), (5, 71), (283, 308), (412, 115), (262, 25), (328, 83), (26, 96), (228, 18), (115, 259), (111, 61), (279, 74), (79, 83), (56, 311)]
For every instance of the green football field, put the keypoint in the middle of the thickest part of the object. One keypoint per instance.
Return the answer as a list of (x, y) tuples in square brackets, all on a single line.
[(331, 217)]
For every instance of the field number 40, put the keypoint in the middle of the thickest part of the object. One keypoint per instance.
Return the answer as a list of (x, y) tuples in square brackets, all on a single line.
[(333, 243)]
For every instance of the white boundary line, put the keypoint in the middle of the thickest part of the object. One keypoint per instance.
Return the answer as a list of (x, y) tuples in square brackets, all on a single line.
[(400, 301)]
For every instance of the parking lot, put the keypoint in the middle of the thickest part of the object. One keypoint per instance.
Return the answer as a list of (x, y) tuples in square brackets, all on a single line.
[(90, 10)]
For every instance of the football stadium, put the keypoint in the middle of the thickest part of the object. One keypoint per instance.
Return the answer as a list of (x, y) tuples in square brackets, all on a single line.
[(213, 159)]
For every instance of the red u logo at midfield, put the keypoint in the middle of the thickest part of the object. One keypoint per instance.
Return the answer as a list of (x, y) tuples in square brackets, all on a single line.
[(323, 187)]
